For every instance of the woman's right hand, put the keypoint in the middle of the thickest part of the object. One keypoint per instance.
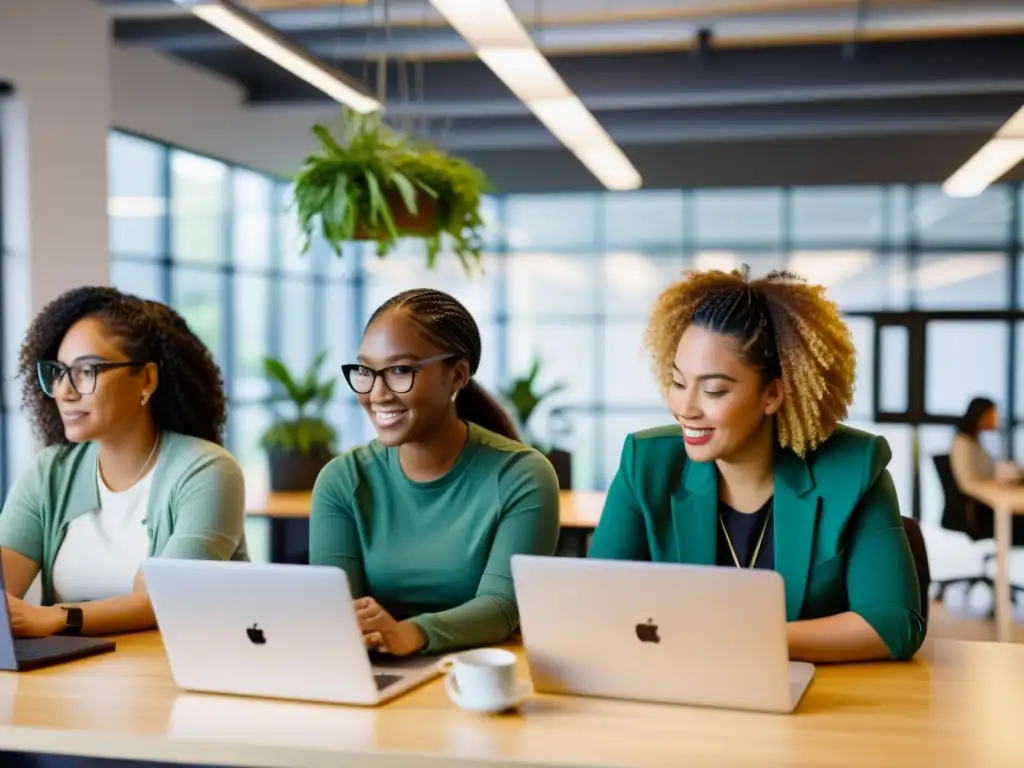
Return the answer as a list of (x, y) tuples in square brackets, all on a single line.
[(374, 641)]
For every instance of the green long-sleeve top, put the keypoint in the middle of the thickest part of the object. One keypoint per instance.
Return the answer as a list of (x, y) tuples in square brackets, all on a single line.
[(437, 553)]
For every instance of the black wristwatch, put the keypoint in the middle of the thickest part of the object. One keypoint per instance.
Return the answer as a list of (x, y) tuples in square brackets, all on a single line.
[(72, 620)]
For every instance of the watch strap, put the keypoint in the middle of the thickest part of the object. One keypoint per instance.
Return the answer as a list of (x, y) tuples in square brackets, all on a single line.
[(72, 619)]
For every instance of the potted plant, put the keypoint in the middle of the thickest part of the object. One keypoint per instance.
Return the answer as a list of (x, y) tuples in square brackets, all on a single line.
[(370, 182), (300, 446), (523, 400)]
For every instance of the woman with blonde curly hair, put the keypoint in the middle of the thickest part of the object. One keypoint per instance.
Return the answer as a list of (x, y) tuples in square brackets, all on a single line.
[(759, 473)]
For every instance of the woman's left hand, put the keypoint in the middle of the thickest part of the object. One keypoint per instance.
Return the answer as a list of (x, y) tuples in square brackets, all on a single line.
[(34, 620), (399, 638)]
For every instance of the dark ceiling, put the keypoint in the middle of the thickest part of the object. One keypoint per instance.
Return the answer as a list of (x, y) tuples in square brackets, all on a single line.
[(907, 87)]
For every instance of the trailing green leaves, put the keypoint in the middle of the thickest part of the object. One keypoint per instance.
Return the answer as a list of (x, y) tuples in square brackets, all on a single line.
[(353, 186)]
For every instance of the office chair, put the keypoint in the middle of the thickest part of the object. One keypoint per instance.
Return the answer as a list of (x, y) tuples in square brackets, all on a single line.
[(965, 515), (920, 553)]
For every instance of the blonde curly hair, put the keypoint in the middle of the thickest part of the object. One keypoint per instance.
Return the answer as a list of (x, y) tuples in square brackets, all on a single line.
[(785, 327)]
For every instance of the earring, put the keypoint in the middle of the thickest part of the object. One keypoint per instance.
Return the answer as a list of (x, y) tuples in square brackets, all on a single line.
[(454, 395), (145, 399)]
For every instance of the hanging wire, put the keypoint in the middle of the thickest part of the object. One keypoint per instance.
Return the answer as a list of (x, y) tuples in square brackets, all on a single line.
[(382, 57), (419, 88), (369, 38)]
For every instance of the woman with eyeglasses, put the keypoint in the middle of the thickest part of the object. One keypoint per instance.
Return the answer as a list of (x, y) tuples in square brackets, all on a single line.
[(131, 408), (425, 519)]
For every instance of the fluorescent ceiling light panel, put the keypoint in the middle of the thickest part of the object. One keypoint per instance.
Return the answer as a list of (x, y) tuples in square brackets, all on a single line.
[(501, 42), (1014, 127), (484, 23), (721, 260), (526, 72), (632, 274), (828, 268), (610, 165), (570, 121), (995, 158), (262, 38), (957, 269)]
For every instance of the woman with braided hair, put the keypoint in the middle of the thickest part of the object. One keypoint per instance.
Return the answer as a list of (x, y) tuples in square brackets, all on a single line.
[(425, 519), (130, 407), (758, 472)]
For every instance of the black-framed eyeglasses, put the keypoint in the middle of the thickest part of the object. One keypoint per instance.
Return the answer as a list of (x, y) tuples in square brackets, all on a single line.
[(398, 378), (82, 376)]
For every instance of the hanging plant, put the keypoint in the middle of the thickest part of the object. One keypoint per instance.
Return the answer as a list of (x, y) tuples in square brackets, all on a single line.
[(371, 182)]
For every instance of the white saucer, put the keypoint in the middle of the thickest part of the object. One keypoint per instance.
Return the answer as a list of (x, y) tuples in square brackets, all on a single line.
[(521, 690)]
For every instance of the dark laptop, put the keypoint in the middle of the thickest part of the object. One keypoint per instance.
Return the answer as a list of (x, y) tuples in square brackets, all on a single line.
[(25, 653)]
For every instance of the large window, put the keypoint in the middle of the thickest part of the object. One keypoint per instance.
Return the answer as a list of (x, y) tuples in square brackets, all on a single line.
[(581, 272), (219, 244), (569, 281)]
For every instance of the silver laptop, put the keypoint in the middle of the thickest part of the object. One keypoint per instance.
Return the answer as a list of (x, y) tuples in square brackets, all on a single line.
[(682, 634), (280, 631)]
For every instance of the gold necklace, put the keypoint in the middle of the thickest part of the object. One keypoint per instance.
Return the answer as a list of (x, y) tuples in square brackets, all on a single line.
[(757, 549)]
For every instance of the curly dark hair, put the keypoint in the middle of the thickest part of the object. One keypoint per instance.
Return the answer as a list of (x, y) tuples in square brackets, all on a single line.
[(444, 320), (190, 398)]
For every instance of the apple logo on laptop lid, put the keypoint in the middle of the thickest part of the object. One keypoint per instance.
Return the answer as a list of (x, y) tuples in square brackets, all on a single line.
[(256, 636), (648, 633)]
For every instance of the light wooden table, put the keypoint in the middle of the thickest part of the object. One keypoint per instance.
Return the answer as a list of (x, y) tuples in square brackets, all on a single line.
[(579, 512), (959, 703), (1006, 501), (577, 509)]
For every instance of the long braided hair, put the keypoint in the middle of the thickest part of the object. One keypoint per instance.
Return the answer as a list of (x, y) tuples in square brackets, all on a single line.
[(786, 329), (190, 397), (443, 320)]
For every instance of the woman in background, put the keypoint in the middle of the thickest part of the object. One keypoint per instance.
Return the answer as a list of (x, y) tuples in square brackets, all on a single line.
[(425, 519), (971, 464), (131, 408), (968, 458), (758, 473)]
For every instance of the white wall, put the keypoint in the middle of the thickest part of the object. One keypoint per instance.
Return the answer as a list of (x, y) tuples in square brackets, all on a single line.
[(167, 99), (56, 54), (55, 130)]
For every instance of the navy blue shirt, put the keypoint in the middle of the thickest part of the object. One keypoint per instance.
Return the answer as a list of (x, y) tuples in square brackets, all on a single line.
[(744, 531)]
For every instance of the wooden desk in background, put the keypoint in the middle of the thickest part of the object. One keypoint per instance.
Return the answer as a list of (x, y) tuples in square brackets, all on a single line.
[(1006, 501), (957, 704), (288, 516)]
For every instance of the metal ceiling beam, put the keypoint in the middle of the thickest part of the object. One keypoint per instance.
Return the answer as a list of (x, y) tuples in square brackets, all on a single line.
[(632, 101), (416, 31), (675, 80), (892, 159), (965, 115)]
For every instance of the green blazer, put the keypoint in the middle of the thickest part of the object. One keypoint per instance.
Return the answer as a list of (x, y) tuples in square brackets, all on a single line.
[(839, 540)]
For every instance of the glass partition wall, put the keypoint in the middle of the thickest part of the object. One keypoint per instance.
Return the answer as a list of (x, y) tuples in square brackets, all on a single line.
[(217, 243), (931, 287)]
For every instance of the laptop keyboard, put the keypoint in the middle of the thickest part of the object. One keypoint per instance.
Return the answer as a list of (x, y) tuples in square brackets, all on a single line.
[(383, 680), (31, 649)]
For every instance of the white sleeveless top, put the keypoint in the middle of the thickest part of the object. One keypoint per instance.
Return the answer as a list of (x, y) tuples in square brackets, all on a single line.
[(103, 549)]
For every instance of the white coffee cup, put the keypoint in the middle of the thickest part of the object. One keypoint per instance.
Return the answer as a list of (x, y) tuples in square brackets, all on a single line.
[(481, 678)]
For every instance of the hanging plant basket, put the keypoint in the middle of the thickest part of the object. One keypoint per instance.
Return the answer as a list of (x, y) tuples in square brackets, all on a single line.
[(369, 182), (422, 223)]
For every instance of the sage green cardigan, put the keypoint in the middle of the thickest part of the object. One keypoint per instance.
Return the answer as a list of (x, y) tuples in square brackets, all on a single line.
[(196, 506)]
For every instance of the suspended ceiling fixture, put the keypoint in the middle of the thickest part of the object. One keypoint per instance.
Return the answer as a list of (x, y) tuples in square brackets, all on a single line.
[(254, 33), (500, 41), (997, 156)]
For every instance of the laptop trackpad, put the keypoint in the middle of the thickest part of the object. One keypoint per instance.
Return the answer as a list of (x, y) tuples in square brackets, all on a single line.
[(385, 680), (800, 675)]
